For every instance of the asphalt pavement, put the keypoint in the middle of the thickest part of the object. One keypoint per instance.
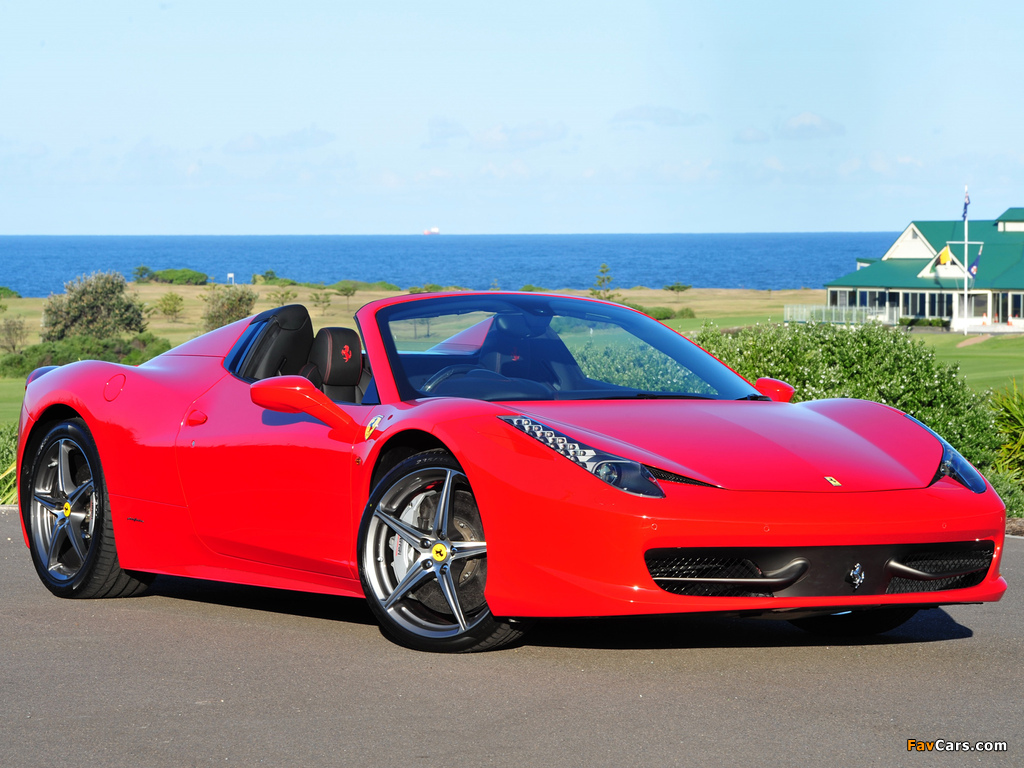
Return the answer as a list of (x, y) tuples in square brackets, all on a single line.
[(196, 674)]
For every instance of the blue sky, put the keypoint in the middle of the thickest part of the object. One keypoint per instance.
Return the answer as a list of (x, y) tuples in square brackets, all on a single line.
[(557, 117)]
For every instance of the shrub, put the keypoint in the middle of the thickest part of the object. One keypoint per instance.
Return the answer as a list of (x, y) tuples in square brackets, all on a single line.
[(426, 288), (180, 277), (171, 305), (142, 274), (97, 305), (8, 455), (226, 305), (13, 334), (686, 312), (7, 293), (132, 351), (1008, 407), (530, 288)]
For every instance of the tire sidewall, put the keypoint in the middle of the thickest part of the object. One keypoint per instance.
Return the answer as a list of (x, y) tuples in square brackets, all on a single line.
[(76, 430), (427, 460)]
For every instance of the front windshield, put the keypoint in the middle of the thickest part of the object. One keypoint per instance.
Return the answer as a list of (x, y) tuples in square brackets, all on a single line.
[(513, 347)]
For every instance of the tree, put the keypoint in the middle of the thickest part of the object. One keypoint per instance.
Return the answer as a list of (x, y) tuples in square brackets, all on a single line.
[(226, 305), (678, 287), (603, 286), (96, 305), (282, 296), (142, 274), (321, 300), (171, 306), (12, 332), (347, 289)]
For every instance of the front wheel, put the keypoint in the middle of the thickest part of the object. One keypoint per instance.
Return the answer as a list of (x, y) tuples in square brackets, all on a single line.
[(423, 559), (67, 516)]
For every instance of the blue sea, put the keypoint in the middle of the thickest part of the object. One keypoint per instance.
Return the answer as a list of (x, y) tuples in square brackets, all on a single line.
[(39, 265)]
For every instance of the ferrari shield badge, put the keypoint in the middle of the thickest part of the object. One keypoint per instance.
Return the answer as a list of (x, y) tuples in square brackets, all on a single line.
[(856, 576), (374, 423), (833, 481)]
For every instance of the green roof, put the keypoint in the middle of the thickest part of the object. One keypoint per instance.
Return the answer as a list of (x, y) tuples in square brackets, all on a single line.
[(1001, 266), (1012, 214)]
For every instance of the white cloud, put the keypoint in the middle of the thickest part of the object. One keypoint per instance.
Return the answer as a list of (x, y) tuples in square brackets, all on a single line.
[(751, 136), (664, 117), (310, 137), (521, 137), (808, 125)]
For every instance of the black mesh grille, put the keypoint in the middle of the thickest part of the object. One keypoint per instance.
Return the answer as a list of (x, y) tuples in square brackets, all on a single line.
[(671, 477), (680, 566), (938, 561)]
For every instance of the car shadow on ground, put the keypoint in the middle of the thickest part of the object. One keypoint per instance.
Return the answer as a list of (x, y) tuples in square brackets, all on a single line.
[(633, 632), (308, 604), (710, 631)]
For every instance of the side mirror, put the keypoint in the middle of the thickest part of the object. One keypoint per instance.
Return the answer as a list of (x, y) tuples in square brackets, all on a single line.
[(779, 391), (296, 394)]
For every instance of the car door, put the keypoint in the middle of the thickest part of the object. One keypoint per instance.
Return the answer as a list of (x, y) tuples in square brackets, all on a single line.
[(265, 486)]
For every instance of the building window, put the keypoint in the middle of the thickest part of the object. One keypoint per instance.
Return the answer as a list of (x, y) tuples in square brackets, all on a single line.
[(932, 309), (863, 298)]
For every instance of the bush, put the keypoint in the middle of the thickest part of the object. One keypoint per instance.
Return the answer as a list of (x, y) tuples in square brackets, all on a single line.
[(8, 455), (171, 305), (872, 362), (180, 277), (1008, 407), (281, 297), (226, 305), (13, 334), (132, 351), (142, 274), (686, 312), (7, 293), (97, 305)]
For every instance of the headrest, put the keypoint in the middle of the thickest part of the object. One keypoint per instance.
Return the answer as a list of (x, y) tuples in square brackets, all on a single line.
[(338, 354), (522, 325)]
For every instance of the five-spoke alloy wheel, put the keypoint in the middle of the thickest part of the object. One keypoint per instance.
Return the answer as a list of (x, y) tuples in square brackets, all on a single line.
[(67, 518), (423, 559)]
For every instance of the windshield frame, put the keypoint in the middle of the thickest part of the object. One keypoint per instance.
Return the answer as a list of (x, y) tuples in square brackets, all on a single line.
[(728, 385)]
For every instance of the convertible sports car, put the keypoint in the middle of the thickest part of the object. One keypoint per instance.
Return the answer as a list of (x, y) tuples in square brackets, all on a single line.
[(489, 458)]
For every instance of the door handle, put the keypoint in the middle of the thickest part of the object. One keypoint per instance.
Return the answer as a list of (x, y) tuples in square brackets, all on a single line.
[(196, 418)]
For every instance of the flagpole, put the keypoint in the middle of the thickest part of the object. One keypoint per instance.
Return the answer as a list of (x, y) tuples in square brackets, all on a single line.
[(967, 200)]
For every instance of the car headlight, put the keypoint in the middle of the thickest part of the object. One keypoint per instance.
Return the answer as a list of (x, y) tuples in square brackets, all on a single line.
[(955, 466), (629, 476)]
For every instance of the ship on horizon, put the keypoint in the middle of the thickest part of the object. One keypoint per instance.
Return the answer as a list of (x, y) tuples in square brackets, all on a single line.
[(432, 231)]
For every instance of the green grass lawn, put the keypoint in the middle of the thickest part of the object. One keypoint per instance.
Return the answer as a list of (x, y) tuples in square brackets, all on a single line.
[(11, 393), (992, 363)]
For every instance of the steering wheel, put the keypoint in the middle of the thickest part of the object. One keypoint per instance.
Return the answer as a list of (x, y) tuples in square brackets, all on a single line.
[(446, 373)]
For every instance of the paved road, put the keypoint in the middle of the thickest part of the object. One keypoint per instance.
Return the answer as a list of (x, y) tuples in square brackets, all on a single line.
[(199, 674)]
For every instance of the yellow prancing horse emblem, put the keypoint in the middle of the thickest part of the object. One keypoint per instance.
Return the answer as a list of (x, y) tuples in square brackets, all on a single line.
[(439, 552), (67, 509), (374, 423), (833, 480)]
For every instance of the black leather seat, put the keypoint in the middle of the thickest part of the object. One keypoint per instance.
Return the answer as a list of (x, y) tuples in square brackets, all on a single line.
[(336, 365)]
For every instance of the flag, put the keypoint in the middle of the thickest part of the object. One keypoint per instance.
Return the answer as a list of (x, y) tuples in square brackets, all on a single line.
[(967, 201), (974, 266), (945, 256)]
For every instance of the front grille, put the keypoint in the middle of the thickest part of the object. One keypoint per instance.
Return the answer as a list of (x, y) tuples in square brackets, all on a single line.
[(668, 566), (843, 571), (944, 561)]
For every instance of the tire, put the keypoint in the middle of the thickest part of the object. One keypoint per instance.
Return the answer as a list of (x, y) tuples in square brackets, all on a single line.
[(856, 623), (423, 573), (67, 516)]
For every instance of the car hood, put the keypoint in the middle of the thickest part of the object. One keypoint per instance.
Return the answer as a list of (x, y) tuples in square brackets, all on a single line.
[(758, 445)]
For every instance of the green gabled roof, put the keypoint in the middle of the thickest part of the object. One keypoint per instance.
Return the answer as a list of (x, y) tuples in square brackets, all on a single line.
[(1012, 214), (895, 273)]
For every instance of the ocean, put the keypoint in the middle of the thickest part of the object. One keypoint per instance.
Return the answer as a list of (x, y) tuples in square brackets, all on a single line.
[(40, 265)]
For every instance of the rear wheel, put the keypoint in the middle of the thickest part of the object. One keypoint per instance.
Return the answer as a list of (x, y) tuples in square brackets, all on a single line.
[(67, 516), (423, 559), (856, 623)]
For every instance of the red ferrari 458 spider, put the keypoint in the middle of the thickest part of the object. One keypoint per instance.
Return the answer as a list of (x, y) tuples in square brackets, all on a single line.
[(471, 461)]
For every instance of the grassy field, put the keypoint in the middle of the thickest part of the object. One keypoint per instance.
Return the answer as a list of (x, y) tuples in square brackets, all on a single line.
[(993, 362)]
